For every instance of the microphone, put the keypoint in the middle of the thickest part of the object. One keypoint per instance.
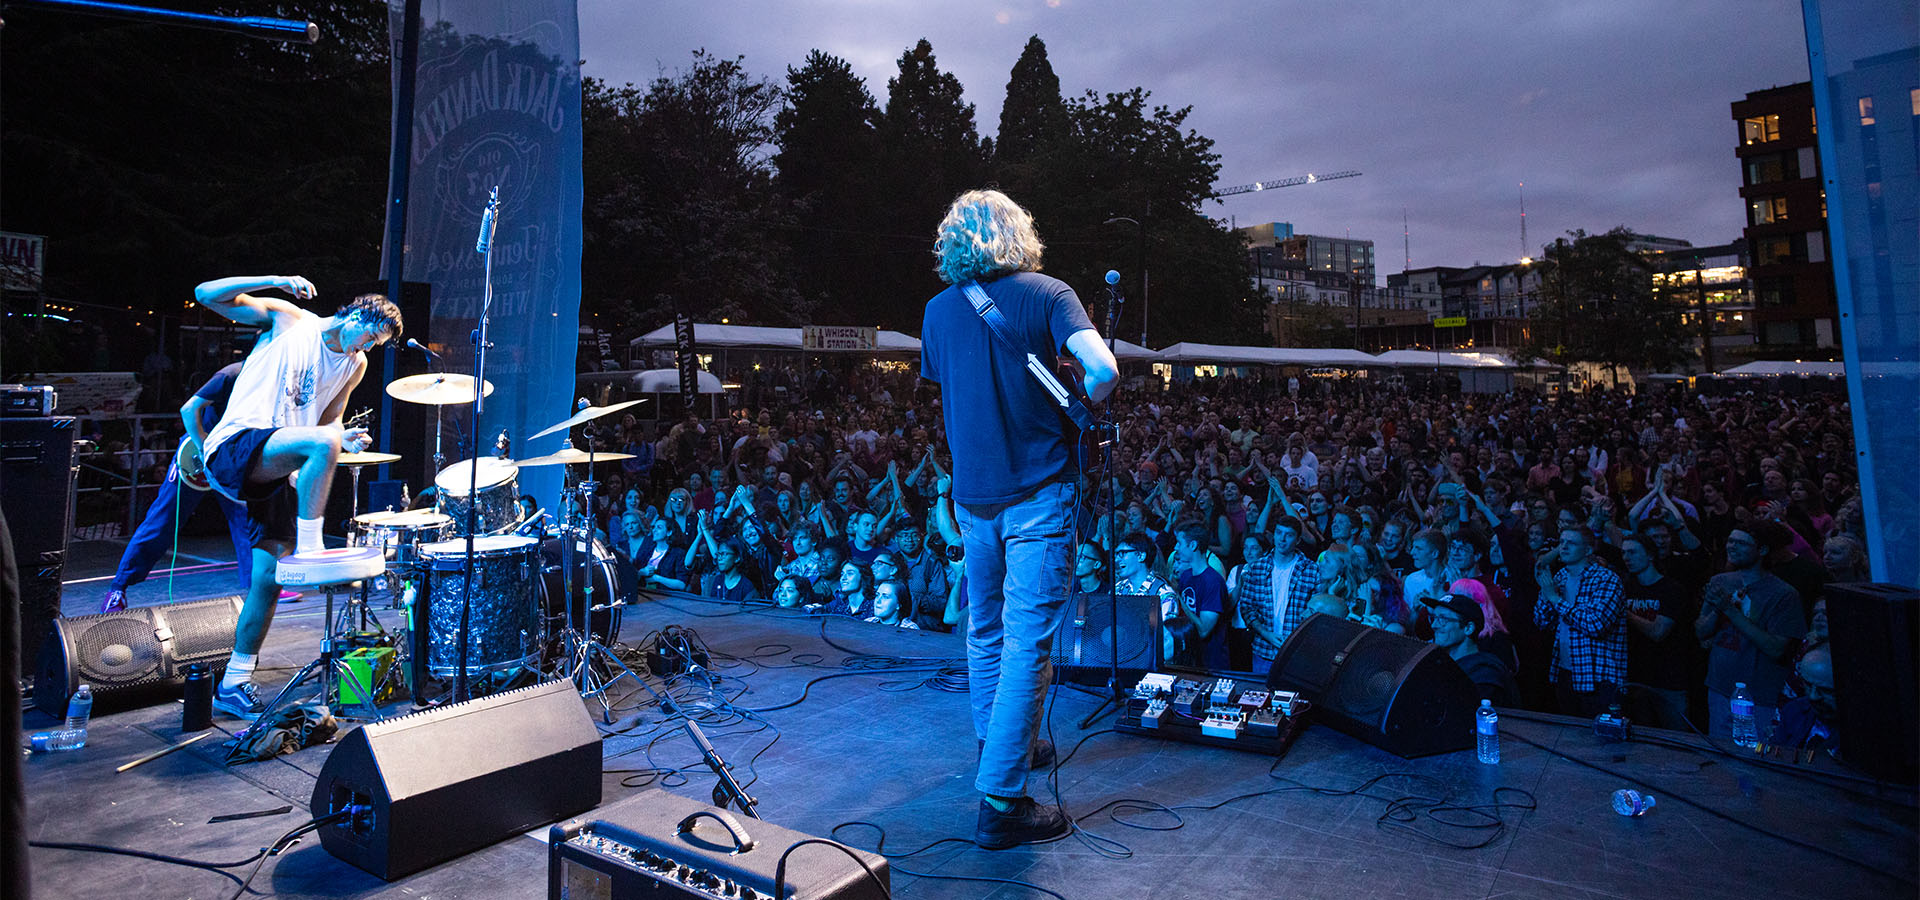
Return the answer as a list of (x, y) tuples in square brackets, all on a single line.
[(1113, 276), (416, 345), (1113, 286), (485, 243)]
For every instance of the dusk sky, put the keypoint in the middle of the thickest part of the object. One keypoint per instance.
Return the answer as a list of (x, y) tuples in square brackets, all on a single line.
[(1612, 113)]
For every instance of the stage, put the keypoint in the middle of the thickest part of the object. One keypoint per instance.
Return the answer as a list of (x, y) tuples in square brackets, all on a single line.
[(887, 745)]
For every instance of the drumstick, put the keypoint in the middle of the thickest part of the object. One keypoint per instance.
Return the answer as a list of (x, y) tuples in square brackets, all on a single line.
[(165, 750)]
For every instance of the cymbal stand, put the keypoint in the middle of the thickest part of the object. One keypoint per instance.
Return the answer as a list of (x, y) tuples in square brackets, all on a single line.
[(583, 647)]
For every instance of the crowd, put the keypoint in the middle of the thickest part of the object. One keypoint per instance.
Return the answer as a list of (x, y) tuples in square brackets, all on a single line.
[(1574, 552)]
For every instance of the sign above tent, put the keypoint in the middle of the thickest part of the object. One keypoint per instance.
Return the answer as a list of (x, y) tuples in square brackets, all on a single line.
[(838, 337)]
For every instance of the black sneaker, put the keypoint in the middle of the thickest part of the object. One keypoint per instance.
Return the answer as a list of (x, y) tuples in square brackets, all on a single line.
[(1026, 823), (242, 701)]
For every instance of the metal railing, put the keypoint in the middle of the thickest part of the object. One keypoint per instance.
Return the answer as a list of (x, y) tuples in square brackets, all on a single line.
[(123, 462)]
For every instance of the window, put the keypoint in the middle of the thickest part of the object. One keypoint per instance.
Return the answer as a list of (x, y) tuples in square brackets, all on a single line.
[(1765, 210), (1768, 251), (1866, 111), (1816, 246), (1769, 168), (1773, 292), (1760, 129)]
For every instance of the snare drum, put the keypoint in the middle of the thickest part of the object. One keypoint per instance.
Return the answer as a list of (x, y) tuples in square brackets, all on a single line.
[(503, 625), (491, 493), (398, 535)]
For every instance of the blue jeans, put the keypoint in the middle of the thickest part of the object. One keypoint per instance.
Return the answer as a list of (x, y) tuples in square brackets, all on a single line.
[(171, 507), (1019, 578)]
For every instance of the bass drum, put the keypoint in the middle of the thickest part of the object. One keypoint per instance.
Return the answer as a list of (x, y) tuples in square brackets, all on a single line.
[(611, 580)]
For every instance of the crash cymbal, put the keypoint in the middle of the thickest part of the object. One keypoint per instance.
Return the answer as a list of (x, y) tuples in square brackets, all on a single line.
[(570, 456), (367, 459), (585, 415), (436, 389)]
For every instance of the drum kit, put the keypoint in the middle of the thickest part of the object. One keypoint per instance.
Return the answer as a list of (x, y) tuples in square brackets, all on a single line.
[(534, 597)]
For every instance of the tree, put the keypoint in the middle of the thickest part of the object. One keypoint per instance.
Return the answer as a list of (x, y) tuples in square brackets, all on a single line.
[(829, 151), (1597, 305), (681, 211), (1033, 116)]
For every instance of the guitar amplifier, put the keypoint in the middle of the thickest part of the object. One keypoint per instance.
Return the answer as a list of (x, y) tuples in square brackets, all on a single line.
[(657, 845)]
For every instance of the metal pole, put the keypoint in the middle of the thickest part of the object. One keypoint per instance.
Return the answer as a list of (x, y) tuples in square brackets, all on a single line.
[(399, 171)]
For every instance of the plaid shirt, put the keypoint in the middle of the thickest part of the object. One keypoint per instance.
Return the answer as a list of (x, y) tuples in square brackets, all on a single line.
[(1596, 630), (1254, 594)]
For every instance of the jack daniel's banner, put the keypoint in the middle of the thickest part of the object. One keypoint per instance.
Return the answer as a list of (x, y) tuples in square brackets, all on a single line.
[(497, 103)]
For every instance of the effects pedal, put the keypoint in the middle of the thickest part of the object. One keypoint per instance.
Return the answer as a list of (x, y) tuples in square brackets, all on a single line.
[(1221, 712)]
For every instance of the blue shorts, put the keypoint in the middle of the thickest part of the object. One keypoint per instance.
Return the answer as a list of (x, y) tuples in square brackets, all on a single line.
[(270, 507)]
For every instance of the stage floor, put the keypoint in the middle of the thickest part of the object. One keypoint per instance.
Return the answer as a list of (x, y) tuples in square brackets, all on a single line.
[(884, 746)]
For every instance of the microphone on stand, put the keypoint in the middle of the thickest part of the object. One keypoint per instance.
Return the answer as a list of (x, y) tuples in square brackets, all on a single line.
[(416, 345), (501, 446), (487, 222), (1113, 286)]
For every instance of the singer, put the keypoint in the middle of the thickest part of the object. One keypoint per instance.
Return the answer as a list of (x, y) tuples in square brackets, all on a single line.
[(1013, 487), (284, 420)]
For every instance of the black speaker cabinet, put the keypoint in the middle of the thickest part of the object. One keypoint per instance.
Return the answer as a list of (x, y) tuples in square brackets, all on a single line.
[(36, 487), (438, 784), (1405, 696), (1875, 631), (134, 656), (1084, 646)]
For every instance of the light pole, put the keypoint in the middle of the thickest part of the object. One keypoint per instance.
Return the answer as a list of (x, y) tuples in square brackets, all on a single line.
[(1140, 260)]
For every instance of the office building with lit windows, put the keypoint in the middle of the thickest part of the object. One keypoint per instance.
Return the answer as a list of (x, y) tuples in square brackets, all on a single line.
[(1794, 310)]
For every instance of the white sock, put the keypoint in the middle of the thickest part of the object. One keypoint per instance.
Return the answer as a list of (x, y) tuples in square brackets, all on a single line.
[(307, 536), (239, 668)]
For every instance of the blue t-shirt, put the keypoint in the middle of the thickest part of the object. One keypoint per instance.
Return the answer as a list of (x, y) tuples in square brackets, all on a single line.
[(1008, 437), (1207, 592), (216, 392)]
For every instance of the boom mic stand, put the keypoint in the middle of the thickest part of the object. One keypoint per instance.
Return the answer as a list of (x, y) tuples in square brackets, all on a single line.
[(1114, 699), (488, 222)]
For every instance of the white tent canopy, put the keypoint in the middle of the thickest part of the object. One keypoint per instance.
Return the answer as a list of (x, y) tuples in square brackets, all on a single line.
[(1788, 367), (1190, 352), (760, 336), (1439, 359)]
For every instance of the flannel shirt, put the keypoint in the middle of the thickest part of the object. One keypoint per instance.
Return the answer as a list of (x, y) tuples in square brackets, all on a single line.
[(1254, 594), (1596, 629)]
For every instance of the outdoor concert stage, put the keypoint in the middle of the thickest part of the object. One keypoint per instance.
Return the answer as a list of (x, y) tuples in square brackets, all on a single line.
[(877, 747)]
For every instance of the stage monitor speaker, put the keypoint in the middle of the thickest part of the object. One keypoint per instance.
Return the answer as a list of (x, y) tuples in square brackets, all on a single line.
[(135, 656), (431, 786), (1084, 646), (36, 490), (1875, 630), (654, 845), (1405, 696)]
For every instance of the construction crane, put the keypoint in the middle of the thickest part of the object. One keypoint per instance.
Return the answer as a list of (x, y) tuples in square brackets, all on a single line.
[(1284, 182)]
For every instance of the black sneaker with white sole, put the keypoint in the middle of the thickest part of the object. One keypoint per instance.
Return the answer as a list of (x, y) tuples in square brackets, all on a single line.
[(1026, 823), (240, 701)]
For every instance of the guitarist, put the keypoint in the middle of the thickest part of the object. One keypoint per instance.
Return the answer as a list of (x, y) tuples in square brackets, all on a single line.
[(173, 505), (283, 424), (982, 340)]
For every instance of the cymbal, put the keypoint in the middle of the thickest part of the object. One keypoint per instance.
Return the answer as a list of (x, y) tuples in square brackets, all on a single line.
[(571, 457), (436, 389), (585, 415), (367, 459)]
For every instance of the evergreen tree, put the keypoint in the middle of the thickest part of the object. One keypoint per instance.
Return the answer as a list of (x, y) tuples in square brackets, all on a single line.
[(829, 149), (1033, 115)]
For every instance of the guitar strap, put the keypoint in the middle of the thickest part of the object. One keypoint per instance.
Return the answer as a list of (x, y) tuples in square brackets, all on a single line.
[(1070, 406)]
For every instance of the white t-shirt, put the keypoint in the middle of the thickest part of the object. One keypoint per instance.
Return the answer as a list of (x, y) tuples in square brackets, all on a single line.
[(287, 381)]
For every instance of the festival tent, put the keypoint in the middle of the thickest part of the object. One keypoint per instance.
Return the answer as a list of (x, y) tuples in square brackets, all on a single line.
[(1441, 359), (763, 337), (1195, 353), (1767, 367)]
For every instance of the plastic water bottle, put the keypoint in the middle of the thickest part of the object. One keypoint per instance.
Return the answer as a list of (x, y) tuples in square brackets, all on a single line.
[(71, 735), (1741, 708), (1629, 802), (1486, 729)]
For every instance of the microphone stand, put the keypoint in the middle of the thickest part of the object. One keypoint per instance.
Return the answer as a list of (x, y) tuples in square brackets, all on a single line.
[(1114, 699), (488, 223)]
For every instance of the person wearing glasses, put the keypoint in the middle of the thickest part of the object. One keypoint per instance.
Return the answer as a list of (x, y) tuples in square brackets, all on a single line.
[(1456, 619)]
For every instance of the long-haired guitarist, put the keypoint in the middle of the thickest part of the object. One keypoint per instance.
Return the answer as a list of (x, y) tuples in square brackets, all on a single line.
[(1013, 484), (283, 421)]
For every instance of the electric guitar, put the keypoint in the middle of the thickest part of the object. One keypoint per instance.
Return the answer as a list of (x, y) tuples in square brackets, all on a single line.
[(192, 468)]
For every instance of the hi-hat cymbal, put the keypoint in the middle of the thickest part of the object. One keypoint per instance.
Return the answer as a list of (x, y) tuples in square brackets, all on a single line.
[(585, 415), (436, 389), (367, 459), (570, 456)]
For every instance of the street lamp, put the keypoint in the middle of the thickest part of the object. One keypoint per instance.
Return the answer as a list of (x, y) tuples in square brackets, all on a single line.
[(1140, 260)]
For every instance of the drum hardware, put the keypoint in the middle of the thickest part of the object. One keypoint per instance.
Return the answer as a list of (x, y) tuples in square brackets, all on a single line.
[(504, 622), (330, 665), (354, 462), (488, 488), (587, 413), (436, 389)]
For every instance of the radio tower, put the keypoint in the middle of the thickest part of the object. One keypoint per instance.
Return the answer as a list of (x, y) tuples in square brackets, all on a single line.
[(1406, 241), (1524, 252)]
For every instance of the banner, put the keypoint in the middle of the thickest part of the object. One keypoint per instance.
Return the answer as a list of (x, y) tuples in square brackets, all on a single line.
[(497, 104), (23, 260), (839, 337)]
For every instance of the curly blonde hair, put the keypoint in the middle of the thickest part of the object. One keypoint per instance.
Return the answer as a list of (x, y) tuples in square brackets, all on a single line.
[(985, 235)]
